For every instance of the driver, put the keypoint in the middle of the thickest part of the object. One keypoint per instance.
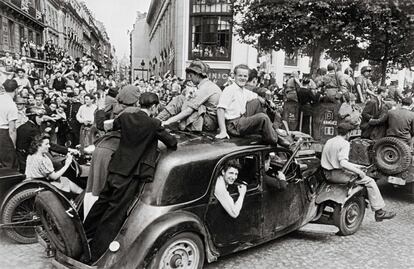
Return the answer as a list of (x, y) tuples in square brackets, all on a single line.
[(338, 169), (275, 179), (228, 176)]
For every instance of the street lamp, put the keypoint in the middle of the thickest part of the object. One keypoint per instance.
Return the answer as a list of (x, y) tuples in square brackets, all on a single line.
[(142, 68)]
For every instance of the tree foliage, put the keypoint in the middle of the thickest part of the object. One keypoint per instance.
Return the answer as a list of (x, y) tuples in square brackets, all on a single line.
[(378, 30)]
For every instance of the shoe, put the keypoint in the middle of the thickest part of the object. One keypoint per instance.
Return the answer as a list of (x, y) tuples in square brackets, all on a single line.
[(381, 215), (284, 142)]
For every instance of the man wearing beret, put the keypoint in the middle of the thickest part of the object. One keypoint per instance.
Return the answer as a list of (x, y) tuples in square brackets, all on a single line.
[(200, 112), (8, 117), (338, 169)]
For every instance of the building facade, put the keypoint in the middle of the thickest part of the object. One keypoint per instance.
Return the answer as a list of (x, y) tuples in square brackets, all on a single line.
[(22, 25), (30, 28), (180, 31)]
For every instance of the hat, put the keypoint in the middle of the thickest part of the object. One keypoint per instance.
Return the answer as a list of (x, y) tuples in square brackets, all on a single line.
[(40, 91), (10, 85), (331, 67), (113, 92), (20, 100), (365, 69), (128, 95), (20, 70), (345, 127), (407, 101), (199, 67)]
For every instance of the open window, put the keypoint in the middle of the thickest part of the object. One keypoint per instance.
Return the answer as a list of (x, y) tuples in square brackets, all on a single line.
[(278, 159)]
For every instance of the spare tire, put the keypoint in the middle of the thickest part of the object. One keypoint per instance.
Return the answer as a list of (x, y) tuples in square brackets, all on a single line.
[(392, 155), (59, 227)]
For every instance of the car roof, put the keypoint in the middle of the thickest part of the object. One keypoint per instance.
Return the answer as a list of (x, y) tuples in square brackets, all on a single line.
[(202, 146)]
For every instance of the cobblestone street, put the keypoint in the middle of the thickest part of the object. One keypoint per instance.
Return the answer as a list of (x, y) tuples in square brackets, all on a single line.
[(386, 244)]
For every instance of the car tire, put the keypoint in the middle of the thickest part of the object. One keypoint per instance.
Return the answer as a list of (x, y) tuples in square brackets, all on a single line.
[(392, 155), (349, 218), (183, 247), (59, 227), (20, 207)]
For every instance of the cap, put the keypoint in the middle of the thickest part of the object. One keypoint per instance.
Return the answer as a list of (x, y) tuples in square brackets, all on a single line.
[(128, 95), (199, 67), (331, 67), (365, 69), (345, 127), (20, 70), (10, 85)]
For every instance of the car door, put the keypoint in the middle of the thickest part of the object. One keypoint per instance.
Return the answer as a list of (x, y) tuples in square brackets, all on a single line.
[(230, 234), (283, 209)]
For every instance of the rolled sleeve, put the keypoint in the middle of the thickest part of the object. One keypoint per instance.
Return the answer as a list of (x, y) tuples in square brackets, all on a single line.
[(343, 153)]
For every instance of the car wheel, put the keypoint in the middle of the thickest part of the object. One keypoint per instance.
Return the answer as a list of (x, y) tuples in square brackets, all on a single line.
[(59, 227), (349, 217), (392, 155), (185, 250), (20, 207)]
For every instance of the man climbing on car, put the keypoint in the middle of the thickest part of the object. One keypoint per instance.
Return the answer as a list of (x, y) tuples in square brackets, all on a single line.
[(338, 169)]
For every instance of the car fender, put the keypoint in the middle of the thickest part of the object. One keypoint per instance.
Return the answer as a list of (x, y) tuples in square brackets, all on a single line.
[(27, 184), (338, 193), (141, 252)]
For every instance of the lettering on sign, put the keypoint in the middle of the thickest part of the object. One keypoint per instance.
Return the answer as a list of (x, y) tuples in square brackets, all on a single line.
[(329, 131), (219, 75), (330, 122)]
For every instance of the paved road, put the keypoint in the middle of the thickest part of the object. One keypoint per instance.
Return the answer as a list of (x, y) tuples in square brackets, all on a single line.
[(389, 244)]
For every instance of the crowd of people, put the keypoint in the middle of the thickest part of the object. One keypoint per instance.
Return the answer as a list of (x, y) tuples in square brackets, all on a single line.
[(76, 106)]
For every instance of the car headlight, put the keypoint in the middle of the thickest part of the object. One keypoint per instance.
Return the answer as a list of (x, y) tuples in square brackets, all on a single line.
[(114, 246)]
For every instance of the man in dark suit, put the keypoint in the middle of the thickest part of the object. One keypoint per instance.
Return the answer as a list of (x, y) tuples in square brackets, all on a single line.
[(59, 83), (374, 110), (132, 164)]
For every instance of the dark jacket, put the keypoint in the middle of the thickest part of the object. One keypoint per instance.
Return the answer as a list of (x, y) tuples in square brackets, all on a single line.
[(401, 124), (59, 85), (272, 180), (372, 110), (138, 149)]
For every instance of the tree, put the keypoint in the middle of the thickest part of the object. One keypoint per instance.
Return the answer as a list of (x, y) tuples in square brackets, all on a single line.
[(389, 33), (306, 25)]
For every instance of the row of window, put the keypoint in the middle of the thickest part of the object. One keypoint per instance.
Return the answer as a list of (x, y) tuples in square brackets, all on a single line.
[(8, 39)]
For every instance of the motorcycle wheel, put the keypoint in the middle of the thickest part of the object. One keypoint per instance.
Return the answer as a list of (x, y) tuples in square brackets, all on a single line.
[(59, 227), (349, 218), (20, 207)]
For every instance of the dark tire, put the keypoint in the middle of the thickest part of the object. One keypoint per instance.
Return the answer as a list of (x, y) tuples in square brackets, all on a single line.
[(349, 217), (392, 155), (182, 248), (20, 207), (59, 227)]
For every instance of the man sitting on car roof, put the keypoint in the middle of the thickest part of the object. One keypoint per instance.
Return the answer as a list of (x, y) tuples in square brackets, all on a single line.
[(231, 111)]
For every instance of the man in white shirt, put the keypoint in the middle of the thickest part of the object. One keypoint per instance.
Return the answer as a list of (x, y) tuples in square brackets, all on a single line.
[(8, 117), (231, 111), (21, 79), (228, 176), (86, 116), (338, 169)]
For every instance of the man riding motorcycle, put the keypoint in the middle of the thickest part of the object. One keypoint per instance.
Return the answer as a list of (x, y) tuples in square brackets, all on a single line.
[(338, 169)]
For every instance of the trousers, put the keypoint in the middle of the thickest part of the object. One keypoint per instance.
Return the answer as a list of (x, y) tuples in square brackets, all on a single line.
[(109, 212), (374, 194), (7, 151)]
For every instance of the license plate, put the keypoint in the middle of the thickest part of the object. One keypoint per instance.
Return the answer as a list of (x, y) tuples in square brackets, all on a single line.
[(396, 180), (356, 132)]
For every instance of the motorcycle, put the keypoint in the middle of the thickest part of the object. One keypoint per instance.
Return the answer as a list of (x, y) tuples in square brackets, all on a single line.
[(18, 217)]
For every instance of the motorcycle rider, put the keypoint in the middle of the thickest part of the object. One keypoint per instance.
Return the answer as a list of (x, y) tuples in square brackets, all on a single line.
[(338, 169)]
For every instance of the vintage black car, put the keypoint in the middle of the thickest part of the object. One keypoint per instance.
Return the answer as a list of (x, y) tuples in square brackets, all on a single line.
[(178, 223)]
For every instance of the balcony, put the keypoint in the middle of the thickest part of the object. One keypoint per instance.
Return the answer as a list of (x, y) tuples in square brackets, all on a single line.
[(23, 6)]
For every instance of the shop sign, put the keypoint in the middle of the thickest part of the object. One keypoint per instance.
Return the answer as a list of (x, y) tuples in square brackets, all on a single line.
[(219, 75)]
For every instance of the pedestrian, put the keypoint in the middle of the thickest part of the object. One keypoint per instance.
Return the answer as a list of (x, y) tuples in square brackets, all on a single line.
[(132, 164), (8, 117), (86, 116)]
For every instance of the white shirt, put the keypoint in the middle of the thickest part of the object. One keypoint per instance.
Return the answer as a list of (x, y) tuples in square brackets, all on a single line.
[(234, 99), (335, 150), (8, 110), (86, 113)]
